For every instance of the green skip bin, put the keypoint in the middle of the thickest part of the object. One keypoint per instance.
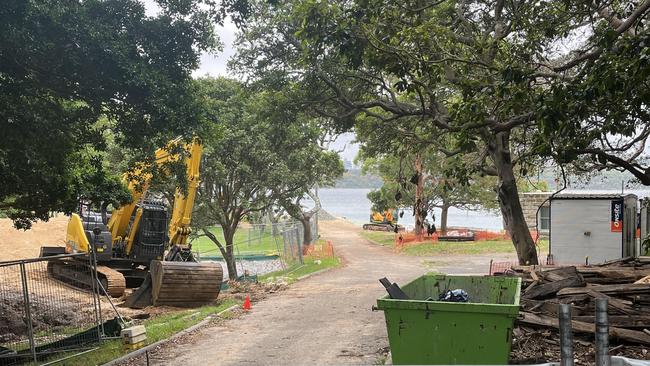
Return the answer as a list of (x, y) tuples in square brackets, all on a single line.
[(423, 332)]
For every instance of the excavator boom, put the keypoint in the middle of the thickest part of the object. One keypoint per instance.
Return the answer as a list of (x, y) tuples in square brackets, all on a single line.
[(179, 226)]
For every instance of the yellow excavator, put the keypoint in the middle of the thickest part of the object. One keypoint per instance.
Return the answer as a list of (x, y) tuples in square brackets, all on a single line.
[(383, 221), (140, 246)]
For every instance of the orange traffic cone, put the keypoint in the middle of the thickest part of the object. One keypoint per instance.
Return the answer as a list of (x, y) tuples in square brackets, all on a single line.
[(247, 303)]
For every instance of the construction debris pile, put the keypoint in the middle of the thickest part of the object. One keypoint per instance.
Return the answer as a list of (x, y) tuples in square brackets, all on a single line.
[(531, 345), (625, 283)]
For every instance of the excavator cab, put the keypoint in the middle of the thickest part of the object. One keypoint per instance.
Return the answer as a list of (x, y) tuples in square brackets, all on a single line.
[(98, 235), (151, 236)]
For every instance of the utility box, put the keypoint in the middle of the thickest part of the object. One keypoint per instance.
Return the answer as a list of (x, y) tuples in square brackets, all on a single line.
[(592, 228)]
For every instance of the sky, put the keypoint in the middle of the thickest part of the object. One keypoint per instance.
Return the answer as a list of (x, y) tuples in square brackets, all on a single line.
[(216, 64)]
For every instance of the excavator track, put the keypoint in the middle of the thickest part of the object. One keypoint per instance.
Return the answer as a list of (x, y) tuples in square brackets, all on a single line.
[(115, 282), (381, 227), (77, 273)]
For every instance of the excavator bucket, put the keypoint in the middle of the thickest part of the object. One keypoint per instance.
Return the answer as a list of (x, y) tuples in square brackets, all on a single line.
[(183, 284)]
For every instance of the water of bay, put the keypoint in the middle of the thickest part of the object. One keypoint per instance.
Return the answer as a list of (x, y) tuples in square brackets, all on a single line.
[(353, 205)]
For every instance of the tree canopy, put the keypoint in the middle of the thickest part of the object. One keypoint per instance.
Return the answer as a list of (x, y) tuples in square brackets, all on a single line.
[(494, 75), (260, 150), (72, 70)]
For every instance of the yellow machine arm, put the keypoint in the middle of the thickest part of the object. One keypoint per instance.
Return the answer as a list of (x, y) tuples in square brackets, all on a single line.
[(179, 228)]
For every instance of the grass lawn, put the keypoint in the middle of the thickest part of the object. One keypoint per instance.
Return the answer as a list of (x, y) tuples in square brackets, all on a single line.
[(159, 327), (429, 249), (297, 270), (380, 237), (246, 241)]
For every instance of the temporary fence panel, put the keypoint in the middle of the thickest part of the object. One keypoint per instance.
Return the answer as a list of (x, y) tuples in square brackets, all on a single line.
[(279, 244), (41, 316)]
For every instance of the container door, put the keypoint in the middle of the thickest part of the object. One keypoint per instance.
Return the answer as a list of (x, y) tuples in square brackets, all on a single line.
[(644, 225), (629, 228)]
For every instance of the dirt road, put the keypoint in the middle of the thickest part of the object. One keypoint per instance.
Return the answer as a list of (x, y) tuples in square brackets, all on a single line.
[(325, 319)]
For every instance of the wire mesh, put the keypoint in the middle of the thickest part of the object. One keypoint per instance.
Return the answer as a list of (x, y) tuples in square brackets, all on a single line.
[(278, 244), (39, 315)]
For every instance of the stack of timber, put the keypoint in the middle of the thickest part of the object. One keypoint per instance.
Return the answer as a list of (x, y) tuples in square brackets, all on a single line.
[(625, 283)]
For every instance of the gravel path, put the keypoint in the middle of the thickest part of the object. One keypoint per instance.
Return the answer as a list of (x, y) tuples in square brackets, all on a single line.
[(325, 319)]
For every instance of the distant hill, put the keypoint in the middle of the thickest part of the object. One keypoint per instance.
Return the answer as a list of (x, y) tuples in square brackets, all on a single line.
[(353, 178), (605, 180)]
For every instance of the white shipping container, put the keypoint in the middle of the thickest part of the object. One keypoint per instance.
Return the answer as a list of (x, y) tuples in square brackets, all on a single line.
[(592, 228)]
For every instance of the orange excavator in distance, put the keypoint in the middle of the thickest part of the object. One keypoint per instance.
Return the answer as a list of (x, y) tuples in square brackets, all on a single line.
[(383, 221), (141, 245)]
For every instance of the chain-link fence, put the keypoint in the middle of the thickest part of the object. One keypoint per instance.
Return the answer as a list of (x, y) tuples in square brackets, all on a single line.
[(262, 248), (40, 316)]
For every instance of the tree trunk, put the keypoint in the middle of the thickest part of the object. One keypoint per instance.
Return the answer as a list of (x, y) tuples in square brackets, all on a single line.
[(306, 228), (228, 235), (444, 212), (230, 263), (499, 150), (419, 193)]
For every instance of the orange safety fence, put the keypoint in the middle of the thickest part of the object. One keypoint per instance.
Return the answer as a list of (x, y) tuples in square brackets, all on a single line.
[(320, 250), (404, 239)]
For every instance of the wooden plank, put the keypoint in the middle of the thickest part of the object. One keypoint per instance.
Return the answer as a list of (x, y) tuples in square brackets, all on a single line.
[(551, 288), (550, 308), (614, 272), (582, 327), (609, 281), (620, 289), (621, 321), (639, 299), (522, 268), (613, 302), (534, 276), (582, 298), (532, 284), (561, 273), (616, 262)]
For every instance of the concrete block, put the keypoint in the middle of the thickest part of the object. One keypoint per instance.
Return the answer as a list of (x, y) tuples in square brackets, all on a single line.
[(133, 331)]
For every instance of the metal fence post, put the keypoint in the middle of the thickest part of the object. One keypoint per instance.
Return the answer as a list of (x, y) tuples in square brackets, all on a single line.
[(289, 237), (299, 244), (28, 312), (566, 335), (95, 290), (602, 333), (291, 244)]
